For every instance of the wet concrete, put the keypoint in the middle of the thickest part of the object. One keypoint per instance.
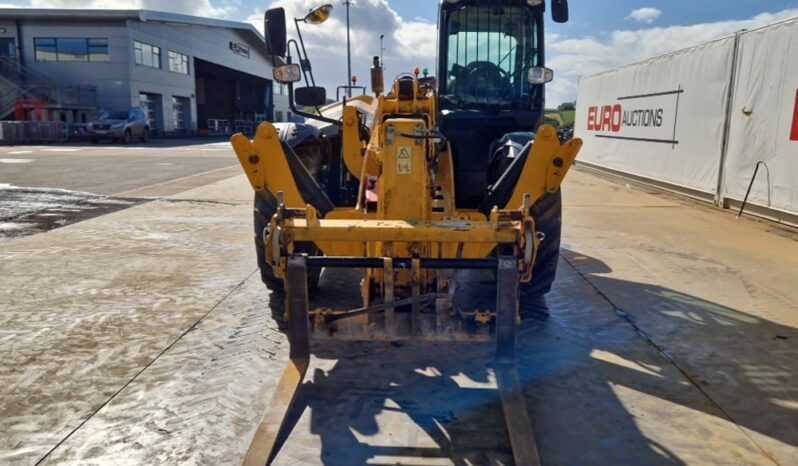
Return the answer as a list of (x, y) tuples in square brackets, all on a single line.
[(672, 340), (27, 211), (47, 187), (87, 307), (716, 294)]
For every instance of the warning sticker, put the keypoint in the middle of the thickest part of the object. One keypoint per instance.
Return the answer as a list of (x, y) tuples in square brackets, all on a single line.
[(404, 161)]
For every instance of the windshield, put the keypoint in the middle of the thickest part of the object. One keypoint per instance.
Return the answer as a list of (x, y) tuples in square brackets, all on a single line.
[(113, 115), (490, 51)]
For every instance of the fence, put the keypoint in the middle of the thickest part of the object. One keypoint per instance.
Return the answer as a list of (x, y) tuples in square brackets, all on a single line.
[(18, 132), (701, 119)]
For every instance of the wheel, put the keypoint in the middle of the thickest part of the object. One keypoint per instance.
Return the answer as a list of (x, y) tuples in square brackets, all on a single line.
[(127, 137), (263, 212), (145, 135), (547, 213)]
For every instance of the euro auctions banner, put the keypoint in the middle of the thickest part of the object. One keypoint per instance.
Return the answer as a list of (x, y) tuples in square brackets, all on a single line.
[(637, 118), (764, 119), (662, 118)]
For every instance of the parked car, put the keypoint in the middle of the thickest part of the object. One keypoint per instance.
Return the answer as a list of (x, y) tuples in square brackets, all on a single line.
[(120, 126)]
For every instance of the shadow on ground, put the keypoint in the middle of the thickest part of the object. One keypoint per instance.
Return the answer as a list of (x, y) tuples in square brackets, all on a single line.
[(600, 390)]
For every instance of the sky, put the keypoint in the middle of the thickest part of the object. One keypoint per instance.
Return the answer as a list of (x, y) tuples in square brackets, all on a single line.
[(601, 34)]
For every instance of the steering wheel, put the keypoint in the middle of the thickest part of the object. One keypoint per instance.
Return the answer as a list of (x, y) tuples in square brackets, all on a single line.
[(481, 74)]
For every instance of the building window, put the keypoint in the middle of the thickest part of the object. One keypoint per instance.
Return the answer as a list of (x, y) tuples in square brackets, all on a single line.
[(70, 49), (178, 63), (98, 50), (45, 49), (146, 54)]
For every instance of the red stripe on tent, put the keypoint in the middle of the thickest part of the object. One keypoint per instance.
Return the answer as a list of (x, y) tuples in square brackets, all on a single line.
[(794, 133)]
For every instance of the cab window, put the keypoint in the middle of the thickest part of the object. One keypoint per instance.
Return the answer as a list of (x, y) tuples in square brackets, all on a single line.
[(489, 52)]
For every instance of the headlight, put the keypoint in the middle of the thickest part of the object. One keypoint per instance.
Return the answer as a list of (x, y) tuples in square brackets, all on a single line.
[(289, 73), (540, 75), (117, 125)]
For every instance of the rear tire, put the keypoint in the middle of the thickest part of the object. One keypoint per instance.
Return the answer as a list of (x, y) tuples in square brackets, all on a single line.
[(547, 213), (263, 213)]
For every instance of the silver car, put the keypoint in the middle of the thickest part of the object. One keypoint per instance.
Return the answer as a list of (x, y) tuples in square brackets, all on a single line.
[(120, 126)]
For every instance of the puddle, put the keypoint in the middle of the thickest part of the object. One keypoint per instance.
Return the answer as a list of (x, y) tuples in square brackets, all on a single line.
[(27, 211)]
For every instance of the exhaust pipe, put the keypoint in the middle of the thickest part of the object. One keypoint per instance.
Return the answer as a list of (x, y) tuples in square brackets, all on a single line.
[(377, 77)]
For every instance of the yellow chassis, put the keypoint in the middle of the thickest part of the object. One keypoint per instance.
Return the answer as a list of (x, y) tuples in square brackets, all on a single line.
[(351, 232)]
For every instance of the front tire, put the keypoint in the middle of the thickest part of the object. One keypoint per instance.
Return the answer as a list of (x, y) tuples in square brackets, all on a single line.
[(145, 135), (263, 212), (127, 137), (547, 212)]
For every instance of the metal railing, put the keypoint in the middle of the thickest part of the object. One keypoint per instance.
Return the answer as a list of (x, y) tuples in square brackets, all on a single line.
[(21, 132), (217, 127), (24, 83)]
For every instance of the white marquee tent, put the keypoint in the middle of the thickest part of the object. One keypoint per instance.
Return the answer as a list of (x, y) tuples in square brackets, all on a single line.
[(703, 118)]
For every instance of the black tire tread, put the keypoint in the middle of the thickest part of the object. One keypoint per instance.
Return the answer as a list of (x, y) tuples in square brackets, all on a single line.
[(547, 212)]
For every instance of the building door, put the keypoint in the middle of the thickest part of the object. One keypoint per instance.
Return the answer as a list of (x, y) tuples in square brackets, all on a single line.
[(8, 47), (181, 115), (153, 107)]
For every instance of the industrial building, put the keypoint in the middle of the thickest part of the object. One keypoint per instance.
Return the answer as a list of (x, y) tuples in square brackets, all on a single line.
[(191, 75)]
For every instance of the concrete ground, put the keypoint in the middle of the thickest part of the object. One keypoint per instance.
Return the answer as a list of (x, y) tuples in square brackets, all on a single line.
[(46, 187), (112, 169), (144, 336)]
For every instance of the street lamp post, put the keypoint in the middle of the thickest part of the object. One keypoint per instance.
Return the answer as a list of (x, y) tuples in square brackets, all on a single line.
[(382, 49), (348, 54), (315, 16)]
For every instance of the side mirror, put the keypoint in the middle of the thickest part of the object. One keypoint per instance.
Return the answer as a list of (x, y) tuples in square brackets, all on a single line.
[(274, 27), (540, 75), (559, 11), (310, 96), (289, 73)]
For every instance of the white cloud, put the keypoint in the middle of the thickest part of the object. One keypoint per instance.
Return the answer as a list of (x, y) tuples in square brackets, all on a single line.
[(412, 42), (188, 7), (645, 15), (574, 57), (408, 42)]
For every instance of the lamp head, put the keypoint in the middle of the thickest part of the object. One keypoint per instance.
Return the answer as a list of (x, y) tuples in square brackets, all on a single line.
[(318, 15)]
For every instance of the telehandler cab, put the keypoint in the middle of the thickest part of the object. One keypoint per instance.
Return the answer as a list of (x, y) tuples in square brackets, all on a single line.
[(413, 186)]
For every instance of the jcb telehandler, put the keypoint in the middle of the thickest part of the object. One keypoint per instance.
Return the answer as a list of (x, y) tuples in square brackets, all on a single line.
[(414, 186)]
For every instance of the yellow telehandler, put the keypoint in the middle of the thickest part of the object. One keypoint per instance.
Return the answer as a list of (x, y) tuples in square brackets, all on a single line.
[(413, 186)]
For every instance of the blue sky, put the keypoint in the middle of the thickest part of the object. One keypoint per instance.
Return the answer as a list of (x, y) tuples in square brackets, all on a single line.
[(599, 16), (601, 34)]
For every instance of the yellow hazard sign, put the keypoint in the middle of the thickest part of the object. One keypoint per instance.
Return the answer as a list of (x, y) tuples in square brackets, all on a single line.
[(404, 161)]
